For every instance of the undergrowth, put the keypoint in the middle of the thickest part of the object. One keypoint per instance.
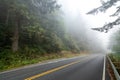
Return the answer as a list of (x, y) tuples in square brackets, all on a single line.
[(10, 60)]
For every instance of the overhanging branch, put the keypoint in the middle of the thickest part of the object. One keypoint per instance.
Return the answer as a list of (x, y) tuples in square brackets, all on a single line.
[(108, 26)]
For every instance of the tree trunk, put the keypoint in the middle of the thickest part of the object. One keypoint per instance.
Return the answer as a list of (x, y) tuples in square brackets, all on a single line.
[(7, 18), (15, 39)]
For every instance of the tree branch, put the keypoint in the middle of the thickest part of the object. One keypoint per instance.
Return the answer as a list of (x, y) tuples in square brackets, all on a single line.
[(108, 26), (104, 7), (117, 12)]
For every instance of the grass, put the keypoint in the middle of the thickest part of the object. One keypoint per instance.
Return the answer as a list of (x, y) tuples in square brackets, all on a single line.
[(10, 60), (116, 61)]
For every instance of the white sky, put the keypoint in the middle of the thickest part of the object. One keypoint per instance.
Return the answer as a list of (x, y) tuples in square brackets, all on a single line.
[(81, 7)]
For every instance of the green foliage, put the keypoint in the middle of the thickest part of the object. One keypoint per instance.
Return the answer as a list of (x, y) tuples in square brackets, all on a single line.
[(115, 57), (5, 35), (116, 60), (115, 42), (29, 24), (9, 60), (29, 30)]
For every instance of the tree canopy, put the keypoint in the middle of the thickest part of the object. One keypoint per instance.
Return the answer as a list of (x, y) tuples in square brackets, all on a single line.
[(33, 26)]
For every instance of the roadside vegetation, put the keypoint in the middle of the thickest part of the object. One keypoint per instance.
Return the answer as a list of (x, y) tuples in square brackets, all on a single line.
[(14, 60), (115, 47), (116, 61)]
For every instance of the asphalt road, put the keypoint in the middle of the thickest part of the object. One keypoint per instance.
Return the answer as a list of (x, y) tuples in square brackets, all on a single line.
[(89, 67)]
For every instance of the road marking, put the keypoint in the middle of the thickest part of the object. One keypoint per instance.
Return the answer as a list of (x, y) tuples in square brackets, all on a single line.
[(52, 70), (103, 76)]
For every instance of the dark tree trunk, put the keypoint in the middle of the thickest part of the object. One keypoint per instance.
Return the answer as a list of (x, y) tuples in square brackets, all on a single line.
[(7, 18), (15, 39)]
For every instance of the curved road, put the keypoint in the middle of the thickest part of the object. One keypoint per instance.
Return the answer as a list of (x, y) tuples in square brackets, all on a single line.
[(89, 67)]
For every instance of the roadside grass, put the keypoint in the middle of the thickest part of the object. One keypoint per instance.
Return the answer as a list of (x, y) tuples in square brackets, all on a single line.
[(14, 60), (116, 60)]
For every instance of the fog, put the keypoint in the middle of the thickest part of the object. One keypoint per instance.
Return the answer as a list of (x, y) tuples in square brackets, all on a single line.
[(79, 24)]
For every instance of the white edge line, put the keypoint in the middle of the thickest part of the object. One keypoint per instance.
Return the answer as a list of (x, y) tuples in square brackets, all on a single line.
[(103, 76)]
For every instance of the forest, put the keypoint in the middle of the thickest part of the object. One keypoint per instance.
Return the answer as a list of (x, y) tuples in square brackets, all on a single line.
[(35, 30), (30, 29)]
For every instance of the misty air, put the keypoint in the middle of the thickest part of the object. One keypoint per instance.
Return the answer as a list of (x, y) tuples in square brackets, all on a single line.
[(60, 39)]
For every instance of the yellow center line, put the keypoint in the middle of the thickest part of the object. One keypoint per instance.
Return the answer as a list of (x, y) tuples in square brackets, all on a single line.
[(50, 71)]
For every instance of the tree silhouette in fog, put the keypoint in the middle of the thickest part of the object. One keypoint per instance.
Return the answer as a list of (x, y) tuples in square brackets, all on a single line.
[(105, 6)]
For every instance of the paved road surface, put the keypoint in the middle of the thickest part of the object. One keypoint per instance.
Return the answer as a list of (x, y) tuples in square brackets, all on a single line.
[(80, 68)]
